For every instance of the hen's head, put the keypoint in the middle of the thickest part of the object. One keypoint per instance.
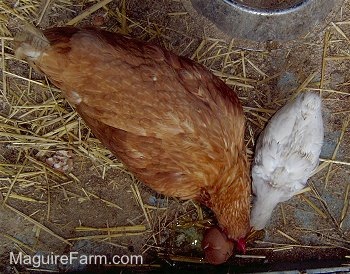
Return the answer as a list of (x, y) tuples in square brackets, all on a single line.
[(232, 210), (218, 248)]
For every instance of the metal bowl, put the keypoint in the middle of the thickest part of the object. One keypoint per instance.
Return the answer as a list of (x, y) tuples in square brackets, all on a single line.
[(268, 5), (265, 20)]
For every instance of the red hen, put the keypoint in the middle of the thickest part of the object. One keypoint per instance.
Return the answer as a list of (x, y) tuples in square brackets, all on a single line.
[(176, 126)]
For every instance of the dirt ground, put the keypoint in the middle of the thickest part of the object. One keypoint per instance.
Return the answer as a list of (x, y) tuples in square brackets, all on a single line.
[(97, 207)]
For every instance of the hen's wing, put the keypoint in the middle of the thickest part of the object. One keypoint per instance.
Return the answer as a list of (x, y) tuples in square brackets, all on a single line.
[(168, 119)]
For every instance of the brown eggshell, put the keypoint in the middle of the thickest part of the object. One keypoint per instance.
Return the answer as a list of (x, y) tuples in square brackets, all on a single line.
[(217, 247)]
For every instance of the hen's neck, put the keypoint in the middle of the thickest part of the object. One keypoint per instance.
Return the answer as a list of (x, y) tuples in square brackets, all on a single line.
[(229, 199)]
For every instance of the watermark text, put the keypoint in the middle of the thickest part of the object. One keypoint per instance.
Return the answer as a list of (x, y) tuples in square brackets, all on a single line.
[(40, 260)]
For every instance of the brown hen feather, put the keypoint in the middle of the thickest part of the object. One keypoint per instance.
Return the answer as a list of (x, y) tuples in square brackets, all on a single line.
[(177, 127)]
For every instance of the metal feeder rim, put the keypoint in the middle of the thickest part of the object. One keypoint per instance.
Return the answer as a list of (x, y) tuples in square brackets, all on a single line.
[(278, 11)]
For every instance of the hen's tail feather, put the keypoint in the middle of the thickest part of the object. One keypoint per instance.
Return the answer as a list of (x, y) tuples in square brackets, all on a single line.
[(30, 43)]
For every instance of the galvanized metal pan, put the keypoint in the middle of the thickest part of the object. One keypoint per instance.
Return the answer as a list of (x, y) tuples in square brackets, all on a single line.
[(266, 20)]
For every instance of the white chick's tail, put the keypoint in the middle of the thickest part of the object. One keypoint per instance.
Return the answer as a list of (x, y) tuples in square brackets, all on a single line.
[(310, 101), (30, 44)]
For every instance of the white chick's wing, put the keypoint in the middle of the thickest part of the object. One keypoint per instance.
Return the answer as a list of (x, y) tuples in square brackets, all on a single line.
[(288, 150)]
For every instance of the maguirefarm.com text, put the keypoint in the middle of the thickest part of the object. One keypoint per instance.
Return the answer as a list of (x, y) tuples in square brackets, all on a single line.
[(40, 260)]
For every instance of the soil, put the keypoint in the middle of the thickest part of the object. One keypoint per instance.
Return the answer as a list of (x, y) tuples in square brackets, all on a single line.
[(99, 193)]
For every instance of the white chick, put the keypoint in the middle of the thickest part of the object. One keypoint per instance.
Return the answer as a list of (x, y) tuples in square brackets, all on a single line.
[(287, 153)]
